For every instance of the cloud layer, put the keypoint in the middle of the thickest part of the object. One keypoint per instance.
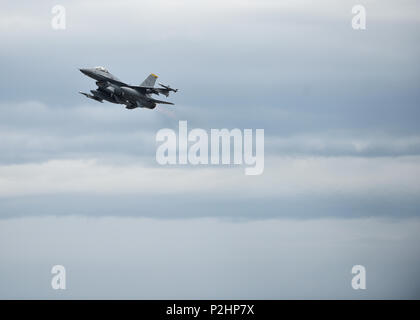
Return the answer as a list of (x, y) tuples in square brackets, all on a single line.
[(209, 259), (79, 184)]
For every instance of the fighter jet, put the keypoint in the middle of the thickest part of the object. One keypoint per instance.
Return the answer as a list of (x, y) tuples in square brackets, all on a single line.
[(111, 89)]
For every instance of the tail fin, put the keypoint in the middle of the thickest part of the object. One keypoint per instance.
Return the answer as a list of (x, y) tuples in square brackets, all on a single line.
[(149, 81)]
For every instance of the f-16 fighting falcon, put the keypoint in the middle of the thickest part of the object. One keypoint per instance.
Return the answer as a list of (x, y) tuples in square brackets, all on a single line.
[(111, 89)]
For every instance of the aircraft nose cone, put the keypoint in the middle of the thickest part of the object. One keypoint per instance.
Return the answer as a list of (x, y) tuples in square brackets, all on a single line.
[(84, 71)]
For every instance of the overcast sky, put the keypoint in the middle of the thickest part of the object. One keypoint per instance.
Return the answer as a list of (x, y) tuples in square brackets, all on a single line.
[(340, 187)]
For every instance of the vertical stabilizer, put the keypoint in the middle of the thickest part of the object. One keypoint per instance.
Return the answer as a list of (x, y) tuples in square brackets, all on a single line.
[(149, 81)]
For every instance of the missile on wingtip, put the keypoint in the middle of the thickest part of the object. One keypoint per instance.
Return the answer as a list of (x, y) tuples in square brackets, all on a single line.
[(168, 88)]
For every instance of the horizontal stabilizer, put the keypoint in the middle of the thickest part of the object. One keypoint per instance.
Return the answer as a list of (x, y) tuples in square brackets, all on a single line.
[(161, 102), (168, 88), (147, 89)]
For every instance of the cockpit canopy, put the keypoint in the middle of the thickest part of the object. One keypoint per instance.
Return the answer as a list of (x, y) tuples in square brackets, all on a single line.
[(102, 69)]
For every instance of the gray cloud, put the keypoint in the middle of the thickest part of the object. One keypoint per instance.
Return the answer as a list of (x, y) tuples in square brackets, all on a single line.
[(208, 258), (37, 132), (299, 71), (231, 206), (305, 61), (79, 184)]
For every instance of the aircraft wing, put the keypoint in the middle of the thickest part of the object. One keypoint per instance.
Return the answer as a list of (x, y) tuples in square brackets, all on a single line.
[(114, 81), (145, 89)]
